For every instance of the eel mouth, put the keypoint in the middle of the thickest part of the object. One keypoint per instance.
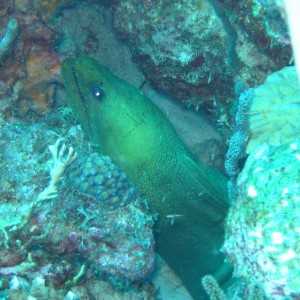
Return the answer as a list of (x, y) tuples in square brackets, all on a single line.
[(73, 82), (76, 84)]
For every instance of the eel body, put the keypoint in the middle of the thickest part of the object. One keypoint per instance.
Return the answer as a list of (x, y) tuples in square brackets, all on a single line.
[(189, 198)]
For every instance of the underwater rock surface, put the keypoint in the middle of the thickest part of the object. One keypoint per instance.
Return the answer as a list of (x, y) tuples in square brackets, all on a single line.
[(263, 21), (56, 238), (30, 69), (180, 46), (195, 51)]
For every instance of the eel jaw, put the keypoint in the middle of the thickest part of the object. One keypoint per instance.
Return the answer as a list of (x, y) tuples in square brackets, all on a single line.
[(76, 99)]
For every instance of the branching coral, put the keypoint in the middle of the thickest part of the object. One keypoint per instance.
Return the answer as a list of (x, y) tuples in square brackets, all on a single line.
[(59, 165)]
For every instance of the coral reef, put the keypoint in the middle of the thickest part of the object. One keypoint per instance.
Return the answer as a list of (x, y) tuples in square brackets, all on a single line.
[(195, 50), (265, 114), (191, 50), (32, 68), (237, 145), (48, 8), (262, 237), (90, 243), (176, 48), (238, 290), (212, 288), (20, 289), (262, 230), (262, 20)]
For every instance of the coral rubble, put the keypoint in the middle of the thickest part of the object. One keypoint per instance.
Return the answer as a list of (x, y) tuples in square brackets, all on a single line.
[(31, 68)]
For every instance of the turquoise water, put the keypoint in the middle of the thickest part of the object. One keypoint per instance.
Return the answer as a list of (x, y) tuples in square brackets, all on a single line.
[(169, 173)]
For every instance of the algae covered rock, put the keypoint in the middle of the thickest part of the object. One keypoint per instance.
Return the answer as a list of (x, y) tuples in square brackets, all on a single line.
[(74, 238), (182, 47), (263, 20)]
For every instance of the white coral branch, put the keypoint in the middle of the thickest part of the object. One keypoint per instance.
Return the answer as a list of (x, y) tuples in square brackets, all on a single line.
[(59, 165)]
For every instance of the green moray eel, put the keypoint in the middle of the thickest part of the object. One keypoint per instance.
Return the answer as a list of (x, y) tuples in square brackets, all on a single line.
[(190, 198)]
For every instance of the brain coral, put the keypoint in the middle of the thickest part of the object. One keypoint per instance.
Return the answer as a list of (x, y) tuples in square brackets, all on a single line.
[(263, 226), (274, 113)]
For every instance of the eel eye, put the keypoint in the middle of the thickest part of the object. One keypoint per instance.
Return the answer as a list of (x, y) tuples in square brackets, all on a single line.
[(97, 92)]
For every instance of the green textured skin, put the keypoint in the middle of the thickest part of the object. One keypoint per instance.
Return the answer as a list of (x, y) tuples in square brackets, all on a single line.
[(130, 129)]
